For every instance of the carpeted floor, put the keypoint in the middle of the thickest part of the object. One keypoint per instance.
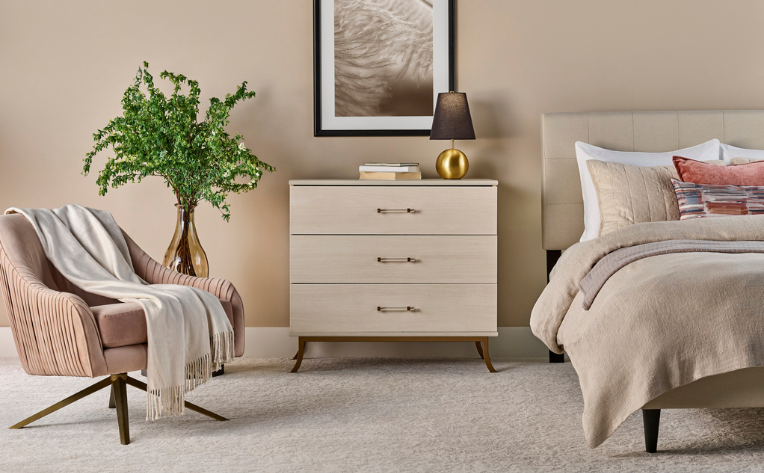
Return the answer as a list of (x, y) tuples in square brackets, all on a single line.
[(364, 415)]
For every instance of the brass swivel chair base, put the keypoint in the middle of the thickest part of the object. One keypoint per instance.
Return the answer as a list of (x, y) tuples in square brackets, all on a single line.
[(118, 400)]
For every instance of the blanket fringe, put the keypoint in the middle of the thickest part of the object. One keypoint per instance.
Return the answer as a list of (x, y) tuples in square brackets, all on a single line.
[(222, 349), (164, 402), (170, 401)]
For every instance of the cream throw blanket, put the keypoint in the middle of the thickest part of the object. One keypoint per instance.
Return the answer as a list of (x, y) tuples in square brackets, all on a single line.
[(658, 323), (189, 334)]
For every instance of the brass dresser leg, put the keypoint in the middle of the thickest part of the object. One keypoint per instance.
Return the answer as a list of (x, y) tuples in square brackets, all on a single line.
[(486, 357), (481, 343), (300, 353)]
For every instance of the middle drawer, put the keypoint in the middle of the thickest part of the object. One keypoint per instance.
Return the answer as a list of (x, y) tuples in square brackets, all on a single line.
[(393, 259)]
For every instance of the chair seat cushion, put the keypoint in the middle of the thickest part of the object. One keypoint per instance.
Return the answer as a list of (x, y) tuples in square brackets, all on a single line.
[(124, 324)]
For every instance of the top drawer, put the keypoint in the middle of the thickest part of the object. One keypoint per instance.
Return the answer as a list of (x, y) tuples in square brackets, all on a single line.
[(393, 210)]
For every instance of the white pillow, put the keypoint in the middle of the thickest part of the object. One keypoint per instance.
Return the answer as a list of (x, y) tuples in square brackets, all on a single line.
[(704, 152), (730, 152)]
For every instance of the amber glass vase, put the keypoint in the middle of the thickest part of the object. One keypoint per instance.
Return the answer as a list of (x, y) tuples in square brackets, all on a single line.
[(185, 254)]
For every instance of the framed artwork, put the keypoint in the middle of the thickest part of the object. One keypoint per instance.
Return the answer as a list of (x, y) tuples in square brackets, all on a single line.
[(379, 65)]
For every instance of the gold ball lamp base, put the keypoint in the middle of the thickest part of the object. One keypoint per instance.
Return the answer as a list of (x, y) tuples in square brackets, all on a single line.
[(452, 164)]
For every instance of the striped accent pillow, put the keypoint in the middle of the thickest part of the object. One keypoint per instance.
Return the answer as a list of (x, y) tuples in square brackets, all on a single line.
[(704, 200)]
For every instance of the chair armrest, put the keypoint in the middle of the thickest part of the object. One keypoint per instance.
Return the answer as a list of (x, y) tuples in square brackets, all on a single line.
[(152, 272), (55, 332)]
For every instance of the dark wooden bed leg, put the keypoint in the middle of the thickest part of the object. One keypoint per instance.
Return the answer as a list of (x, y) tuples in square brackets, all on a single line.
[(551, 259), (651, 419), (556, 358)]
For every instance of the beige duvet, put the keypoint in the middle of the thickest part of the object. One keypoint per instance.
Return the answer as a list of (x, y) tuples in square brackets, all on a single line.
[(658, 323)]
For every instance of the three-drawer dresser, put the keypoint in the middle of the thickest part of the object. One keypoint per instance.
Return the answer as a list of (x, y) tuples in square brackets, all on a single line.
[(393, 261)]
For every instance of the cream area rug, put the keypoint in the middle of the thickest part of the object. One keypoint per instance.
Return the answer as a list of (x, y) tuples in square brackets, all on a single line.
[(364, 415)]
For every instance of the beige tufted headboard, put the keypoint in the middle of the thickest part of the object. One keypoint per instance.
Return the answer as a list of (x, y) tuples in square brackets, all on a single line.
[(562, 214)]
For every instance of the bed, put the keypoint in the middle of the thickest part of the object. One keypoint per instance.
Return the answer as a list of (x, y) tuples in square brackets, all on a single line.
[(563, 224)]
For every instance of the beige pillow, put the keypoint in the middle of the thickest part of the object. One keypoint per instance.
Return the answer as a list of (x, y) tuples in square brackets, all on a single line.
[(633, 194), (743, 160)]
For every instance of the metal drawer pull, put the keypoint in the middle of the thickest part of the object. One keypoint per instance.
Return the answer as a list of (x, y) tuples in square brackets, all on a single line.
[(396, 260), (396, 309), (404, 211)]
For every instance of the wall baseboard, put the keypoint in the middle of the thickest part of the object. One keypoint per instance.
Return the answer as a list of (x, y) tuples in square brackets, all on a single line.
[(275, 342), (7, 347)]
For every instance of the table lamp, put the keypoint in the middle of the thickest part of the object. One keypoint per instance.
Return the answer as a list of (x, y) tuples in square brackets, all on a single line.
[(452, 121)]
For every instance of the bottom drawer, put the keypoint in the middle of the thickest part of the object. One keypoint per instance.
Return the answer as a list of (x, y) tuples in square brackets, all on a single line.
[(383, 308)]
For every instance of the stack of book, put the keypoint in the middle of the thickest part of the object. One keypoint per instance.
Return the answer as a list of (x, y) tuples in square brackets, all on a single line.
[(390, 171)]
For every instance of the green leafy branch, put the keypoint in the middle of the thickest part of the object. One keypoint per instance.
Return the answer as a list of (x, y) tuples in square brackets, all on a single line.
[(160, 136)]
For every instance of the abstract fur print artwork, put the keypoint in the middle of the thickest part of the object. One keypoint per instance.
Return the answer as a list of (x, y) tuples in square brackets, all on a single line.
[(383, 58)]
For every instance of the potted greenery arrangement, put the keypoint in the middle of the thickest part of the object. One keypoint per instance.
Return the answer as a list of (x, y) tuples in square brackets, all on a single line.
[(160, 136)]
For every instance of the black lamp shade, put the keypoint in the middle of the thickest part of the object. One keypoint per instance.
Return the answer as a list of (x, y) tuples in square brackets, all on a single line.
[(452, 120)]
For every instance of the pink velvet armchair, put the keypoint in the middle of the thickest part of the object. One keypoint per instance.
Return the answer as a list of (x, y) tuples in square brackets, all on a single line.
[(61, 330)]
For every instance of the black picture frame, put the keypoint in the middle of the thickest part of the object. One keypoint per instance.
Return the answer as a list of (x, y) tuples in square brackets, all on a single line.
[(319, 130)]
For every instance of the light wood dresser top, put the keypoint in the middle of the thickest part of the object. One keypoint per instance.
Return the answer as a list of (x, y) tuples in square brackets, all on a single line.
[(412, 182)]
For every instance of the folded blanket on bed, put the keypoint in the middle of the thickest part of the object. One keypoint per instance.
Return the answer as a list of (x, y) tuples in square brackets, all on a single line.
[(660, 322), (189, 334), (606, 267)]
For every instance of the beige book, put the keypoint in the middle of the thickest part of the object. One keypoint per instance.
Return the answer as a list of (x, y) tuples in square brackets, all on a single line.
[(391, 176)]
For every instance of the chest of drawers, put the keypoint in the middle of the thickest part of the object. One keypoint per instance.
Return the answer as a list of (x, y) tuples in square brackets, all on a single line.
[(393, 261)]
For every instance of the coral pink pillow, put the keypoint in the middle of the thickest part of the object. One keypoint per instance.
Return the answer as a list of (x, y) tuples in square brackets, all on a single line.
[(689, 170)]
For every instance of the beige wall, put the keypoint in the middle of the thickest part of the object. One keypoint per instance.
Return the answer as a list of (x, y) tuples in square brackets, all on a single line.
[(65, 64)]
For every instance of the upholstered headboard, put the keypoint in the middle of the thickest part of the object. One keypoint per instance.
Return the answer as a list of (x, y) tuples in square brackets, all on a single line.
[(562, 204)]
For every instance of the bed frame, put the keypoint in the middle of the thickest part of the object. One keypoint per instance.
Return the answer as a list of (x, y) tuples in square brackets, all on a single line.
[(563, 214)]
